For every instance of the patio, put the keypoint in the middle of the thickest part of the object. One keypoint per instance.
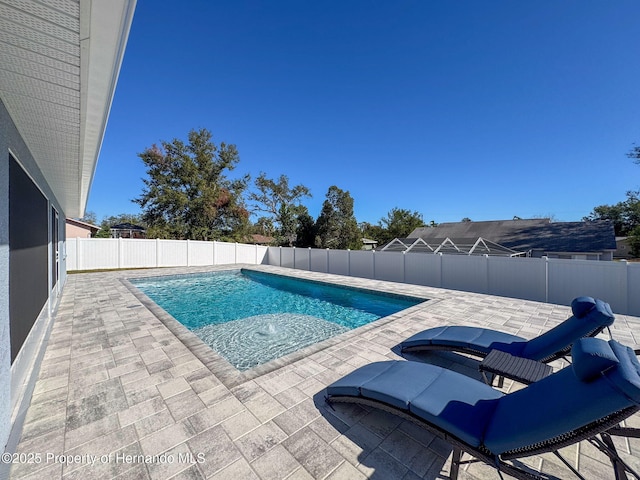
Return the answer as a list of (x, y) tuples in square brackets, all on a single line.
[(126, 393)]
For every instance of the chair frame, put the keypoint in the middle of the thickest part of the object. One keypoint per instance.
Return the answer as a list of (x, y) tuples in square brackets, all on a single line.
[(605, 427), (478, 353)]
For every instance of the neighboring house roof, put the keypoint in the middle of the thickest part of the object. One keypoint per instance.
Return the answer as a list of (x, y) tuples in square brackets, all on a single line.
[(58, 74), (525, 235), (261, 239), (79, 223), (127, 226)]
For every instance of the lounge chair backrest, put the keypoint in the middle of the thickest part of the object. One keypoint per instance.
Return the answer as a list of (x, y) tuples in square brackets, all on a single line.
[(604, 378), (590, 316)]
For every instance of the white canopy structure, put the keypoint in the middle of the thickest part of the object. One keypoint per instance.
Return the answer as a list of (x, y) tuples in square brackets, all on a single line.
[(478, 246)]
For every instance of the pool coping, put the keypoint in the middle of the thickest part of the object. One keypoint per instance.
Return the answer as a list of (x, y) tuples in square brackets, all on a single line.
[(229, 375)]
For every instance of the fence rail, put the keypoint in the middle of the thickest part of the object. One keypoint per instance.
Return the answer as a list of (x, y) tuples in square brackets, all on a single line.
[(540, 279), (546, 280), (106, 253)]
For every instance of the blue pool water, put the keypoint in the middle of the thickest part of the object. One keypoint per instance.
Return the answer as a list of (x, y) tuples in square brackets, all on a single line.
[(252, 317)]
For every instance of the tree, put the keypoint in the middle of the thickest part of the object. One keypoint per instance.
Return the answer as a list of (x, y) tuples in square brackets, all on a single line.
[(187, 194), (374, 232), (264, 226), (634, 241), (336, 226), (281, 202), (90, 217), (306, 230), (400, 222), (635, 154), (624, 215)]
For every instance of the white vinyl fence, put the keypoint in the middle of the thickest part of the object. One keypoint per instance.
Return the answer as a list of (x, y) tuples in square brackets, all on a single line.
[(106, 253), (541, 279)]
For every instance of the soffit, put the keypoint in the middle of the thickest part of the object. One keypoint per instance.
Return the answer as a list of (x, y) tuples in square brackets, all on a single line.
[(59, 63)]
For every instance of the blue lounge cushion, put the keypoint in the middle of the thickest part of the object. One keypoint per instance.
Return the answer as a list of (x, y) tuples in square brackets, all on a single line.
[(564, 402), (481, 339), (626, 376), (591, 357), (575, 327), (351, 384), (452, 401), (479, 415), (580, 306), (589, 315), (458, 405)]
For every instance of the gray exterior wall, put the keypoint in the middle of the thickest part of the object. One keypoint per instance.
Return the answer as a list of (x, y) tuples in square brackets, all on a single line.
[(14, 377)]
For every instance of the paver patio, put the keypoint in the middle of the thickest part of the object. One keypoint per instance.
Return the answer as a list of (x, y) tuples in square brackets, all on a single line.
[(124, 392)]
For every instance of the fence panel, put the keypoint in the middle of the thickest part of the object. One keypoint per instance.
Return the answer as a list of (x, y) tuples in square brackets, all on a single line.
[(465, 272), (573, 278), (172, 253), (200, 253), (517, 277), (422, 269), (137, 253), (339, 262), (224, 253), (71, 253), (286, 257), (633, 288), (97, 253), (319, 260), (273, 256), (361, 263), (389, 266), (249, 253)]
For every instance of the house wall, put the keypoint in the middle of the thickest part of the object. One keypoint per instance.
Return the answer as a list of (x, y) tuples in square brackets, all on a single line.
[(25, 264), (76, 231)]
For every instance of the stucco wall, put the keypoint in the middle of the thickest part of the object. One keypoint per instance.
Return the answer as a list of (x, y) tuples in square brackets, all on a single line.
[(17, 374), (75, 231), (5, 346)]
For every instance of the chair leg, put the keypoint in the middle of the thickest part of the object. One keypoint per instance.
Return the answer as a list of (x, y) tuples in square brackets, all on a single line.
[(619, 467), (455, 464)]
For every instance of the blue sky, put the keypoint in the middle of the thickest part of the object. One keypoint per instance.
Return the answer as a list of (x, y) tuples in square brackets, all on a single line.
[(455, 109)]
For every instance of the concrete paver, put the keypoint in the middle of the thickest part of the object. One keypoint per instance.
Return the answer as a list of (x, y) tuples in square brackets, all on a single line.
[(122, 386)]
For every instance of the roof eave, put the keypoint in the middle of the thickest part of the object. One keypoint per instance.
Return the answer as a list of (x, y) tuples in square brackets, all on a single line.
[(104, 31)]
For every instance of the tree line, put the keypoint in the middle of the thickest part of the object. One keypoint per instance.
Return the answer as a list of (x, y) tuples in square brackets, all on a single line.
[(188, 194), (625, 215)]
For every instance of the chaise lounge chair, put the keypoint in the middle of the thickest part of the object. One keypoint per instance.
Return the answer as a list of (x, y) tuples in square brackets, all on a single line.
[(589, 318), (589, 397)]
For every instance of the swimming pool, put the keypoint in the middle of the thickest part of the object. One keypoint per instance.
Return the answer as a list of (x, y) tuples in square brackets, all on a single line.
[(252, 317)]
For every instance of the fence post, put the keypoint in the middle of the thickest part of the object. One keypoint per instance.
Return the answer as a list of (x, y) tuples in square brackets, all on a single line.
[(546, 279), (120, 252), (627, 305), (328, 271), (215, 260), (294, 258), (188, 253), (235, 253), (486, 274), (373, 263), (78, 255), (157, 252), (404, 267), (349, 261), (309, 258)]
